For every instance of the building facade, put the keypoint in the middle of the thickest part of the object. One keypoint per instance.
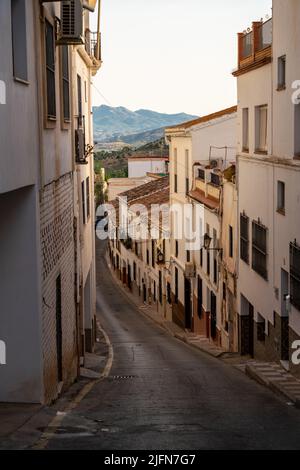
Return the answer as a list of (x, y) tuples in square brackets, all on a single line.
[(268, 170), (200, 151), (39, 188)]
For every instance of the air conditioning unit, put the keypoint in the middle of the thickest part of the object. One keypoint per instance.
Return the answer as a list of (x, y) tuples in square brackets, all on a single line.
[(71, 30), (190, 270), (80, 146)]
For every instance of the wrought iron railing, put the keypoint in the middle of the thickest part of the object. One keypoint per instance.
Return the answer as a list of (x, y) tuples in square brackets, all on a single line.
[(92, 45)]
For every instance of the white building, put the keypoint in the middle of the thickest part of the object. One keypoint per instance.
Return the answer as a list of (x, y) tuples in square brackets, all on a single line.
[(140, 165), (199, 151), (268, 186), (41, 263)]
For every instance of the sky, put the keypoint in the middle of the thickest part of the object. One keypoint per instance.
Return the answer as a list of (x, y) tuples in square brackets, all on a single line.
[(172, 56)]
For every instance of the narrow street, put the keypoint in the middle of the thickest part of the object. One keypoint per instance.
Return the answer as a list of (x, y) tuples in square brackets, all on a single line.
[(162, 394)]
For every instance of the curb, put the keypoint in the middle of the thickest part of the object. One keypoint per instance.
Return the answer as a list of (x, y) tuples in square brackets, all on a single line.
[(275, 387)]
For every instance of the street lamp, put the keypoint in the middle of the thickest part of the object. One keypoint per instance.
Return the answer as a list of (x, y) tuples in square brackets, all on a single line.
[(207, 242)]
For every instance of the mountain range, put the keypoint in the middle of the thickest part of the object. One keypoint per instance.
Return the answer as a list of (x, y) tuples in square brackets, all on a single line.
[(132, 127)]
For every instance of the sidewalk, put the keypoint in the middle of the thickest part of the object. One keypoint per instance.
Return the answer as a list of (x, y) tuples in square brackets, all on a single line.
[(270, 375), (22, 425)]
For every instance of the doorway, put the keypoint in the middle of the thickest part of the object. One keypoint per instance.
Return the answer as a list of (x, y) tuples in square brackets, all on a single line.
[(285, 335), (187, 304), (213, 315)]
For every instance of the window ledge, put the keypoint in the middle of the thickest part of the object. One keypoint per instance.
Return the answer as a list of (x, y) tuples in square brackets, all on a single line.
[(261, 152), (281, 211), (21, 81), (245, 150), (281, 87)]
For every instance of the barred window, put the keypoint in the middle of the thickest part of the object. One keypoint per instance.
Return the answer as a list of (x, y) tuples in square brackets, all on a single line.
[(244, 242), (259, 249), (295, 274), (50, 70)]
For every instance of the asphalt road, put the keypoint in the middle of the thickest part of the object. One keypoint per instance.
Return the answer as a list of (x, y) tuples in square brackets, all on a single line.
[(163, 394)]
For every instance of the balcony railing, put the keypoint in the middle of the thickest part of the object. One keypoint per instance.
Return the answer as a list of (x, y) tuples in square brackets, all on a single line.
[(92, 46), (265, 34), (80, 152), (247, 45), (201, 174)]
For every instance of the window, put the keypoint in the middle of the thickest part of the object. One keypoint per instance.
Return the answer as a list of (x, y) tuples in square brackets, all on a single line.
[(65, 82), (215, 271), (295, 274), (169, 297), (153, 253), (154, 291), (200, 296), (160, 288), (176, 286), (208, 263), (83, 202), (230, 241), (261, 328), (19, 39), (246, 130), (281, 73), (175, 184), (259, 249), (175, 171), (148, 257), (281, 196), (176, 249), (201, 257), (244, 245), (50, 70), (188, 256), (187, 181), (261, 129), (88, 202)]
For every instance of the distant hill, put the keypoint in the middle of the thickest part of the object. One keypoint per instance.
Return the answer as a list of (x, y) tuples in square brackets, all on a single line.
[(132, 127)]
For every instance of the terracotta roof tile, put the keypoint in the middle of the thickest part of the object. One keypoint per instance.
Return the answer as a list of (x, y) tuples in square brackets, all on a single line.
[(200, 120), (209, 202)]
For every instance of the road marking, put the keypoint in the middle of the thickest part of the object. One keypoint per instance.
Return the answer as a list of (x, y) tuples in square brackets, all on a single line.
[(60, 416)]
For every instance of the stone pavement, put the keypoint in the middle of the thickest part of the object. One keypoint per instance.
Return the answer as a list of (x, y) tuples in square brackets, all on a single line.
[(270, 375)]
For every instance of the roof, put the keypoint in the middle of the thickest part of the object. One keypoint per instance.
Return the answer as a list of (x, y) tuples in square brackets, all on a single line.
[(203, 119), (209, 202), (155, 192)]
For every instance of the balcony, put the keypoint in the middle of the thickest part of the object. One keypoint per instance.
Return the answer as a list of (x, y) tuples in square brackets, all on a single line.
[(254, 47), (92, 45), (80, 147)]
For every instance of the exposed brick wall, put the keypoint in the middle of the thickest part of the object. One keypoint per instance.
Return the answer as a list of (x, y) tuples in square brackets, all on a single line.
[(58, 258)]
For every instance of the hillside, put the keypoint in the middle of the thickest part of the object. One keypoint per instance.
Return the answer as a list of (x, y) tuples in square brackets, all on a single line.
[(132, 127)]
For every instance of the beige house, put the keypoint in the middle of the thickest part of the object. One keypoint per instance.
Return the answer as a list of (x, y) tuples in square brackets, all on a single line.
[(268, 186), (44, 267), (200, 151)]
